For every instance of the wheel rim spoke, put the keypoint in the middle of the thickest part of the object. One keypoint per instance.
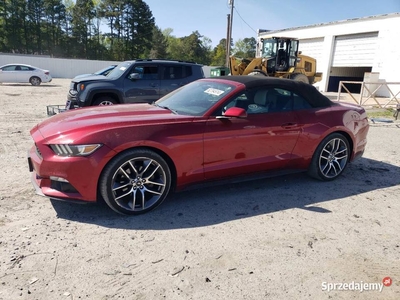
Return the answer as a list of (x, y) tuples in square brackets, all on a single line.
[(335, 162), (341, 157), (123, 195), (146, 167), (154, 192), (121, 187), (133, 203), (133, 168)]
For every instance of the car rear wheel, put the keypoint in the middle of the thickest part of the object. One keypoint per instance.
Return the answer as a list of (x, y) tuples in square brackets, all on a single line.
[(330, 158), (35, 81), (104, 101), (135, 182)]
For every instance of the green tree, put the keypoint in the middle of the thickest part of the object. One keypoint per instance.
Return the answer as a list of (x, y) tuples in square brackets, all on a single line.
[(219, 54), (192, 49), (55, 13), (3, 10), (245, 48), (138, 24), (82, 16), (160, 44), (35, 19), (16, 27)]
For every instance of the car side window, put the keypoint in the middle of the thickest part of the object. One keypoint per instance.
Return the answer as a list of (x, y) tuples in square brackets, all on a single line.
[(146, 72), (177, 72), (300, 103), (277, 100), (267, 100), (9, 68), (241, 101)]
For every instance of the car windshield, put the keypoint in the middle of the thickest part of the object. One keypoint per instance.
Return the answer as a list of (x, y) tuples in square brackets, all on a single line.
[(100, 72), (195, 98), (119, 70)]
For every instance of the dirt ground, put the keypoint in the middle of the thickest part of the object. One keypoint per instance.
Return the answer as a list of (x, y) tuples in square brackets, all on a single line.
[(289, 237)]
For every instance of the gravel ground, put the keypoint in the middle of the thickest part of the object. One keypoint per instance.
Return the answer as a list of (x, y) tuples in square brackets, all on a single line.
[(289, 237)]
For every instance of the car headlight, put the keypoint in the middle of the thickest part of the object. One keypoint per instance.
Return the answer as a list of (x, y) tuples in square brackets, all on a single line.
[(80, 86), (74, 150)]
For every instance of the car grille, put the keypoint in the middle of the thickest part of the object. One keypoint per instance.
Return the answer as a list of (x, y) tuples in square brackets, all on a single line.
[(38, 151)]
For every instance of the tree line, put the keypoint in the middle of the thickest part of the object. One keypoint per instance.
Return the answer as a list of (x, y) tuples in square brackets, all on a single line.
[(68, 29)]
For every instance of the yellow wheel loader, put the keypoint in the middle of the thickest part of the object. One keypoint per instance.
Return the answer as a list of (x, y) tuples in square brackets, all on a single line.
[(280, 58)]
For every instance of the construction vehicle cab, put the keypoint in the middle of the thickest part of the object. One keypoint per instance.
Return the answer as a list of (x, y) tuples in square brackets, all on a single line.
[(279, 58), (280, 52)]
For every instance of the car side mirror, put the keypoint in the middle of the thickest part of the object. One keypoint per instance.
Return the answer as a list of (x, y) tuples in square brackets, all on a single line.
[(233, 112), (134, 76)]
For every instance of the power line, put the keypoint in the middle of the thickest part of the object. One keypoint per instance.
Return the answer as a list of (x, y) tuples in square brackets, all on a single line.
[(244, 20)]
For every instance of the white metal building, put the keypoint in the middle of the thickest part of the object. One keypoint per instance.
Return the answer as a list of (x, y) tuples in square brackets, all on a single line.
[(350, 50)]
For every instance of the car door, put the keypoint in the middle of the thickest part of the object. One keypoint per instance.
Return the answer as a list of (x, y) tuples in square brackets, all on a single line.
[(262, 141), (19, 74), (142, 83), (7, 74), (24, 73)]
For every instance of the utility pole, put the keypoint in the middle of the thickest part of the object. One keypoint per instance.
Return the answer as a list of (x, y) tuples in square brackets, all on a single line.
[(229, 37), (228, 24)]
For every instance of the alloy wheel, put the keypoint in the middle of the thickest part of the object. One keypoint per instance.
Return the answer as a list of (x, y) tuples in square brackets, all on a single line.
[(333, 158), (138, 184)]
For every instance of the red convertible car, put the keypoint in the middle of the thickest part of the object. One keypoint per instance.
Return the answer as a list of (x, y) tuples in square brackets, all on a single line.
[(134, 155)]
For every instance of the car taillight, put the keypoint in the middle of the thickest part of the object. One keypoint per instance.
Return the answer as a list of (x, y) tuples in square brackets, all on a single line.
[(47, 73)]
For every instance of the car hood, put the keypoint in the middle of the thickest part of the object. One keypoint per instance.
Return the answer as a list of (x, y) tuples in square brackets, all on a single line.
[(89, 77), (81, 76), (100, 118)]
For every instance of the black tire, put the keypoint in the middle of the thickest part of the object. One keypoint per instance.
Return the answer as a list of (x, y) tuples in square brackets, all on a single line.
[(135, 182), (258, 72), (330, 158), (300, 77), (104, 100), (35, 80)]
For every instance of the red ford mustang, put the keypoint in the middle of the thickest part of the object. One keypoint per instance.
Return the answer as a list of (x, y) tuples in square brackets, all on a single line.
[(133, 155)]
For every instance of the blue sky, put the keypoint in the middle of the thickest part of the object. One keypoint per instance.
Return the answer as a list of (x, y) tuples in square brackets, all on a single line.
[(209, 17)]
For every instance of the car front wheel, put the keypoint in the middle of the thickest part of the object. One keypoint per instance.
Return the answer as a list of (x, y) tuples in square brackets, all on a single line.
[(135, 182), (104, 101), (35, 81), (330, 158)]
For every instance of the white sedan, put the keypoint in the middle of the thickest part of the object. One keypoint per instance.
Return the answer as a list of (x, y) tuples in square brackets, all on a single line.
[(19, 73)]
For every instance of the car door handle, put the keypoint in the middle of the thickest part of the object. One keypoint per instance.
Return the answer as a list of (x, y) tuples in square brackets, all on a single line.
[(153, 84), (289, 125)]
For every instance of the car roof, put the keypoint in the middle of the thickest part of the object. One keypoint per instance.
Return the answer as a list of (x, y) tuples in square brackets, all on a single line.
[(15, 64), (305, 90), (165, 61)]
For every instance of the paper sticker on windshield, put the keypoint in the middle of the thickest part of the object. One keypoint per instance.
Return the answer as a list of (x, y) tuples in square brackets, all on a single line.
[(122, 68), (214, 92)]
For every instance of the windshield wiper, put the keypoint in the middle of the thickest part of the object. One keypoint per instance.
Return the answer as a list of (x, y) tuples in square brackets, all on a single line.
[(166, 107)]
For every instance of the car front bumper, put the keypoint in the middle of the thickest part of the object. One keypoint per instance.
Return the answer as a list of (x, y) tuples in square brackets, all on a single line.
[(72, 101), (65, 178)]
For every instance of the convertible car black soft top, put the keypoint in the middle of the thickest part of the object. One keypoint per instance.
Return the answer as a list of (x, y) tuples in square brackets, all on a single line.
[(308, 91)]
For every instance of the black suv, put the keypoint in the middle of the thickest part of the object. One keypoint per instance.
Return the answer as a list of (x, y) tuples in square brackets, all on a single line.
[(141, 80)]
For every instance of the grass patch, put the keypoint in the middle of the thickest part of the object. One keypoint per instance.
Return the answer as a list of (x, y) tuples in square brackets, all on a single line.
[(381, 113)]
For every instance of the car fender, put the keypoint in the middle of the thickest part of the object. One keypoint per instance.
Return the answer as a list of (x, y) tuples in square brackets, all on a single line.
[(93, 89), (161, 149)]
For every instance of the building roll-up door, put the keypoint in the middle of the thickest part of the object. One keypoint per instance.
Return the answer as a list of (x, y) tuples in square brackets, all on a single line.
[(312, 48), (356, 50)]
